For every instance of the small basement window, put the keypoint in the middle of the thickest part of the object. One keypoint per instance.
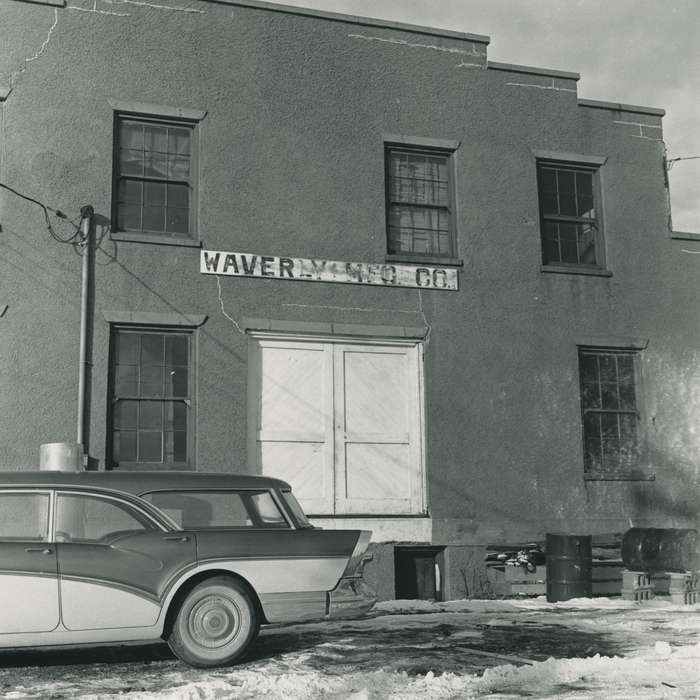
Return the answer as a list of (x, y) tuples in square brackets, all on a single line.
[(418, 572)]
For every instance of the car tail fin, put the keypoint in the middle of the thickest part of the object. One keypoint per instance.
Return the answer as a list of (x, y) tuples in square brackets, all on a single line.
[(359, 556)]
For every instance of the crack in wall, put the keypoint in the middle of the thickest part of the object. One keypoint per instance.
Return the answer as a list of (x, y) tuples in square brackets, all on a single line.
[(156, 7), (347, 308), (403, 42), (543, 87), (16, 75), (223, 310), (94, 10), (464, 64), (425, 320)]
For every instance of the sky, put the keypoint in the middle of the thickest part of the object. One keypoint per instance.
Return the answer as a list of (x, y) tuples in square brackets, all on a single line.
[(640, 52)]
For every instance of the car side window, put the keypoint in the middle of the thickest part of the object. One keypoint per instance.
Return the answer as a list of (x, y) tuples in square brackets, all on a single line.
[(90, 519), (219, 509), (24, 516)]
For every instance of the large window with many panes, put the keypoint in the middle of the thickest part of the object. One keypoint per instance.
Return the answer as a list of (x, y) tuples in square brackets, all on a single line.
[(151, 403), (154, 176), (570, 215), (419, 203), (610, 411)]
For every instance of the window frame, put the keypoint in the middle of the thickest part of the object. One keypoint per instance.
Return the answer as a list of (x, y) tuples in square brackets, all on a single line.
[(430, 147), (191, 238), (573, 163), (639, 471), (190, 401)]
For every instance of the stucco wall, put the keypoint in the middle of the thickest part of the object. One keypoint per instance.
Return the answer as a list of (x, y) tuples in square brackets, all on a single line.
[(291, 163)]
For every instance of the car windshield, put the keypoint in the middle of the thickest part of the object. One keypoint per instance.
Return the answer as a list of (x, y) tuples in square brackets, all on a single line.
[(219, 509), (296, 509)]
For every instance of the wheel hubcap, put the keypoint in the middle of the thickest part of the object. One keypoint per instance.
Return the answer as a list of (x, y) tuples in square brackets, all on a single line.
[(214, 622)]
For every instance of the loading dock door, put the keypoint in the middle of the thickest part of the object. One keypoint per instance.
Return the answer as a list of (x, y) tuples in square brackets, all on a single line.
[(342, 422)]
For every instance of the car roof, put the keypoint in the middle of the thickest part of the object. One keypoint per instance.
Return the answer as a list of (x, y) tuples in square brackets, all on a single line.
[(139, 482)]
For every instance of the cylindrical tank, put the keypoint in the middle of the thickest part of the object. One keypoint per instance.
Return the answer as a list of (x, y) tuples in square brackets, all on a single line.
[(569, 565), (61, 457), (661, 549)]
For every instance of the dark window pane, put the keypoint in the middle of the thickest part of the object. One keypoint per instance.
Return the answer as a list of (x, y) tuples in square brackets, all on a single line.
[(179, 141), (156, 138), (154, 194), (178, 167), (608, 368), (628, 429), (586, 244), (627, 398), (130, 192), (609, 397), (625, 369), (127, 348), (593, 456), (151, 381), (591, 425), (176, 446), (591, 395), (176, 415), (153, 219), (551, 243), (125, 380), (569, 247), (150, 446), (131, 135), (152, 347), (155, 165), (126, 414), (129, 216), (589, 367), (177, 382), (178, 220), (124, 449), (548, 181), (608, 424), (130, 162), (176, 350), (151, 415), (178, 196), (611, 453)]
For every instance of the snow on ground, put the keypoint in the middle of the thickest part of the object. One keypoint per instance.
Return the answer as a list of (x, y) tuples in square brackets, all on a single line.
[(600, 649)]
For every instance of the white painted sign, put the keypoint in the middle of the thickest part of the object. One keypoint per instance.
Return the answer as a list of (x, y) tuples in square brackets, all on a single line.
[(216, 262)]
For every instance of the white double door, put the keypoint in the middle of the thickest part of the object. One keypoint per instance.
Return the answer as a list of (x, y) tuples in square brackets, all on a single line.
[(341, 422)]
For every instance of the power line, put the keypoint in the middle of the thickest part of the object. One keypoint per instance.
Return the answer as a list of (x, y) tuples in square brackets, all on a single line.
[(669, 163), (46, 209)]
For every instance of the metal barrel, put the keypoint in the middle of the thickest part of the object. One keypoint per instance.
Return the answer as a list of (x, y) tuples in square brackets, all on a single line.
[(652, 549), (569, 565)]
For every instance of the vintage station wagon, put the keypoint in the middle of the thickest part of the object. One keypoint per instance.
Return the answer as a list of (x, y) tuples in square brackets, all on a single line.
[(200, 560)]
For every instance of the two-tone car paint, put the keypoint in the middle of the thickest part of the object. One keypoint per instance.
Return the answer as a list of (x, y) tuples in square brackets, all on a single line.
[(61, 592)]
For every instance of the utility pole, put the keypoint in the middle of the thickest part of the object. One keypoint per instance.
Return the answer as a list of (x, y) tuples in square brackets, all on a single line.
[(86, 226)]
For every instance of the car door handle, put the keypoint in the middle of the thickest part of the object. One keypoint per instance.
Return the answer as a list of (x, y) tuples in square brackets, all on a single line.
[(39, 550), (177, 538)]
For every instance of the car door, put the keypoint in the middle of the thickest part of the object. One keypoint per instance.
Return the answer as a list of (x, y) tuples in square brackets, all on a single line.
[(28, 573), (115, 561)]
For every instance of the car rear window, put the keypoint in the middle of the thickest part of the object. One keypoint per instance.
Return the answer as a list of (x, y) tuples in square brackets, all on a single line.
[(296, 509), (219, 509)]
